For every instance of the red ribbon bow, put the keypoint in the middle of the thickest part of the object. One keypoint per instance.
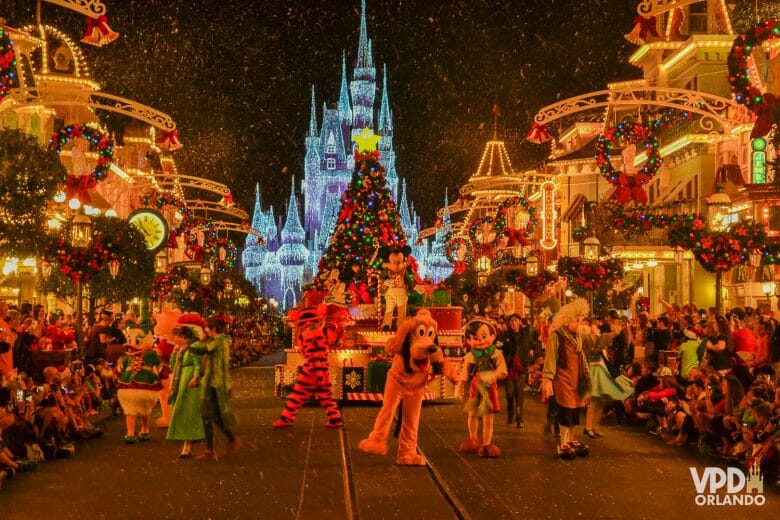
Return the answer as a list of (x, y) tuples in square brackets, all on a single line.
[(169, 140), (538, 134), (764, 116), (643, 32)]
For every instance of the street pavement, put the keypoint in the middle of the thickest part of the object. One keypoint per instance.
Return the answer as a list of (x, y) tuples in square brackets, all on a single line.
[(308, 471)]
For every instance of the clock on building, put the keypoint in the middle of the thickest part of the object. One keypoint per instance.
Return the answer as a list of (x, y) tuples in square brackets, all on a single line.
[(152, 226)]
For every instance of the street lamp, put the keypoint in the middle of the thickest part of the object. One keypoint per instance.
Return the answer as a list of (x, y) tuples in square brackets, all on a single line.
[(161, 262), (113, 267), (531, 269), (80, 238), (483, 270), (205, 274), (768, 288), (718, 206), (591, 251)]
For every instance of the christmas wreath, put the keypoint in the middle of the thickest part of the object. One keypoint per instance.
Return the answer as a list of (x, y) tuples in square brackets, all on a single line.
[(506, 235), (762, 104), (589, 276), (78, 186), (535, 286), (628, 187), (7, 63), (457, 252)]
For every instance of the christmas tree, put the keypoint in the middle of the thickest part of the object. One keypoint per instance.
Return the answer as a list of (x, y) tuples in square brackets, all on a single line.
[(367, 222)]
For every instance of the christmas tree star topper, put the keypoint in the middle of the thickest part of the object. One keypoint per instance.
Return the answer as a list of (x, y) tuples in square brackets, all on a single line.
[(366, 140)]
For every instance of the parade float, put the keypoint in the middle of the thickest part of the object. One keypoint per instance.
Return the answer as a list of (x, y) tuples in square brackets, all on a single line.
[(368, 270)]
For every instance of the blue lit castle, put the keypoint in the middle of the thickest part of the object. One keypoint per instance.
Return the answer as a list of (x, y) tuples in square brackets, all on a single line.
[(288, 260)]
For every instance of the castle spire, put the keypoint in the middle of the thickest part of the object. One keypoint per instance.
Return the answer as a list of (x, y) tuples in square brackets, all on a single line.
[(313, 118), (345, 111), (403, 211), (364, 48), (445, 218), (385, 116), (292, 232)]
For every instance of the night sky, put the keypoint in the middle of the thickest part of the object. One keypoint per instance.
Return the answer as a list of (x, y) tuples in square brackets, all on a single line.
[(236, 75)]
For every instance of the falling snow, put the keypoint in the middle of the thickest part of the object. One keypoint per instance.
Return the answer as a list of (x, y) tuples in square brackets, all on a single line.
[(235, 76)]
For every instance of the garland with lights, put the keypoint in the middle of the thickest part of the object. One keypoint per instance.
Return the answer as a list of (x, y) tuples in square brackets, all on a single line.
[(7, 63), (81, 264), (589, 276), (457, 252), (763, 104), (161, 201), (77, 186), (535, 286)]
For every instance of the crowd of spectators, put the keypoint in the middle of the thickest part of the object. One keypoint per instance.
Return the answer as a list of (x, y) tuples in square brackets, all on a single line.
[(700, 379), (254, 336)]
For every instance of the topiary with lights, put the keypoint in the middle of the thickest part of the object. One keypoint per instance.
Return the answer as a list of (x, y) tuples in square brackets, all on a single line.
[(367, 221)]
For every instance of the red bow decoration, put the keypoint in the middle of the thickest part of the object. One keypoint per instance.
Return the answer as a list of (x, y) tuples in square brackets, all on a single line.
[(98, 32), (227, 200), (169, 140), (764, 116), (78, 186), (359, 292), (643, 32), (516, 236), (538, 134), (460, 267), (7, 59)]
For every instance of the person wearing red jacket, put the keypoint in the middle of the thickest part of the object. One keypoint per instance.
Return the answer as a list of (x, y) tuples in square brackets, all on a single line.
[(652, 403)]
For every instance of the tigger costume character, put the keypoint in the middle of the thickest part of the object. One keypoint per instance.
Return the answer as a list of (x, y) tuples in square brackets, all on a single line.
[(416, 352), (317, 332)]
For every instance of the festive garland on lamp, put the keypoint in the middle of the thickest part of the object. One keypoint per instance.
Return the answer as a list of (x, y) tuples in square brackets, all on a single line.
[(589, 276), (77, 186), (81, 264), (7, 63), (535, 286), (164, 283), (507, 236), (225, 255), (762, 104)]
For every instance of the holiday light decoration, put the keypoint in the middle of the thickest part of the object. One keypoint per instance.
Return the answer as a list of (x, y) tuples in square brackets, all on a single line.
[(534, 286), (758, 161), (630, 186), (78, 186), (7, 63), (548, 240), (515, 222), (328, 166), (589, 276), (746, 92), (367, 221)]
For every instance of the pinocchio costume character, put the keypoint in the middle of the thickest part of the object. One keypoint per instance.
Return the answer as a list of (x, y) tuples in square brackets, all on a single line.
[(318, 329), (483, 367)]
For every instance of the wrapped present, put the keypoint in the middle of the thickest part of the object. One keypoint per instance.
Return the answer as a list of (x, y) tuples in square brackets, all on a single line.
[(353, 379), (377, 375), (442, 297), (448, 318), (415, 298)]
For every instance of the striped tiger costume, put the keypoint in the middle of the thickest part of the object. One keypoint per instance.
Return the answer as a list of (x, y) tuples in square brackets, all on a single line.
[(315, 335)]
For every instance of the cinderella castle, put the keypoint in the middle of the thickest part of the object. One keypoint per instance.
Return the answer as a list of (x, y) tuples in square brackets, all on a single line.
[(287, 261)]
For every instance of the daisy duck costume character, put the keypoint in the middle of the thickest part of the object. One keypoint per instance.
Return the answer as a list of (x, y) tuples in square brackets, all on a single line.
[(483, 367), (417, 357), (139, 387)]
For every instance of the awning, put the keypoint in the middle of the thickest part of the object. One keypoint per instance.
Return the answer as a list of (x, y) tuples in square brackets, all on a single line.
[(575, 208)]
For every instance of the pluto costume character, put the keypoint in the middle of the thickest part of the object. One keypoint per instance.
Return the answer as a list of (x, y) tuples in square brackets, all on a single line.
[(416, 352), (316, 335)]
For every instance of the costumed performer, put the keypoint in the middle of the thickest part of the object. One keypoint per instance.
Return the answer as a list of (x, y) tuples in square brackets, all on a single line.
[(215, 408), (184, 396), (166, 321), (565, 375), (139, 387), (394, 282), (415, 354), (316, 335), (483, 367)]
